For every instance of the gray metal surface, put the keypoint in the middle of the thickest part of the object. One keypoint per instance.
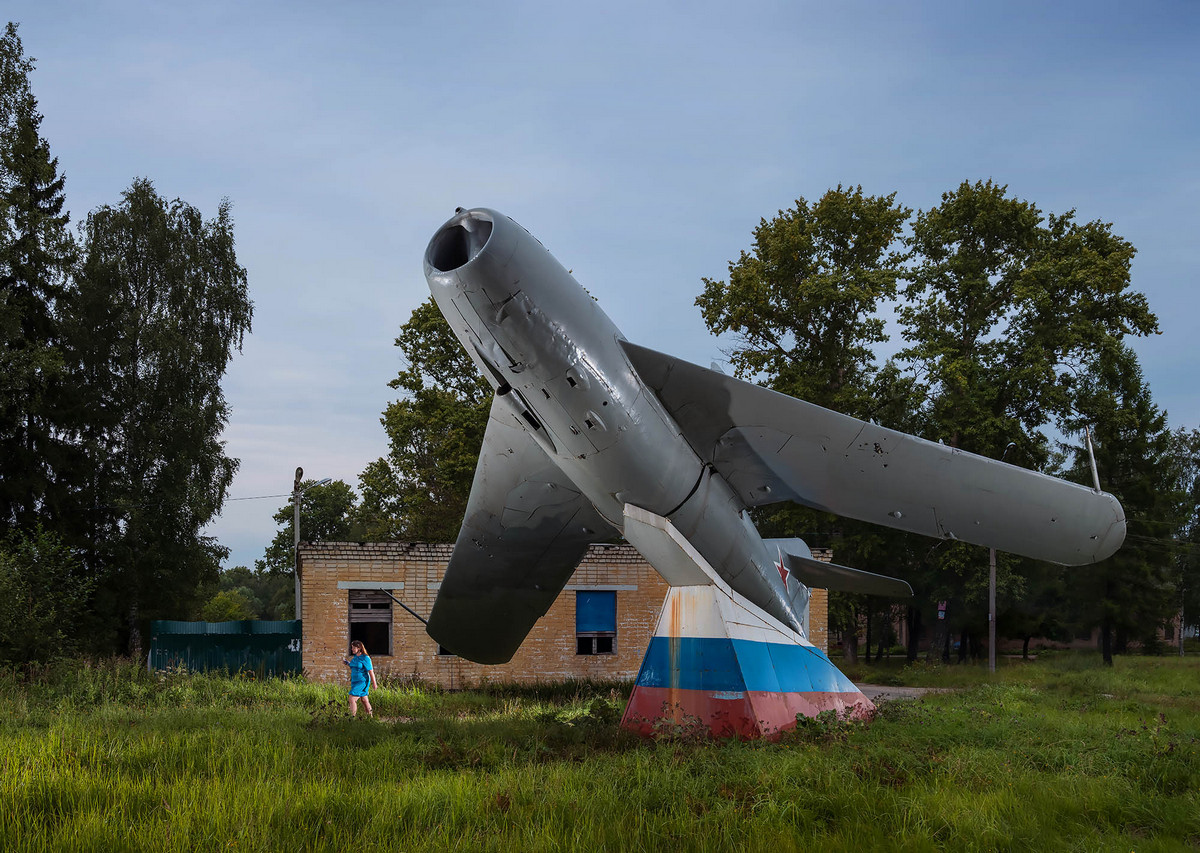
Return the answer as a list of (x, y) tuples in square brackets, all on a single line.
[(795, 555), (771, 448), (816, 573), (585, 423), (525, 530)]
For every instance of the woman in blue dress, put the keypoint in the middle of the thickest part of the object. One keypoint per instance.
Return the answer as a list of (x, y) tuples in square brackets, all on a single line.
[(362, 677)]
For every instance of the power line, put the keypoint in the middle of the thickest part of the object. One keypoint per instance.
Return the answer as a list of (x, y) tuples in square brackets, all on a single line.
[(1140, 520), (1167, 543), (261, 497)]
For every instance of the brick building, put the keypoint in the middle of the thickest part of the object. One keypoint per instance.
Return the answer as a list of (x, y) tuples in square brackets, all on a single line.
[(599, 626)]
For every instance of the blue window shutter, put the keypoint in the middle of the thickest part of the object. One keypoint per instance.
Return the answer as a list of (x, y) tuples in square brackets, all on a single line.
[(595, 612)]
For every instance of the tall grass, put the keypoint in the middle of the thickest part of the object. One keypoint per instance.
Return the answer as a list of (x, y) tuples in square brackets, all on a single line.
[(1063, 754)]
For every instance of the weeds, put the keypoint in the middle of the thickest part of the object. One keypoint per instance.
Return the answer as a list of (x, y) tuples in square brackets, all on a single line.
[(1059, 754), (826, 728)]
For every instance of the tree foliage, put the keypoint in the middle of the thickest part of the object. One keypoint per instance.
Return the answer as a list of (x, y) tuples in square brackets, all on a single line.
[(266, 595), (1185, 452), (420, 489), (1003, 310), (327, 513), (231, 605), (803, 300), (36, 254), (1000, 304), (1132, 593), (112, 350), (158, 309), (44, 594)]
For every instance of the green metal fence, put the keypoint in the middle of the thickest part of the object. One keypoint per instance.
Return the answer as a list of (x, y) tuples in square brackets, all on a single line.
[(258, 646)]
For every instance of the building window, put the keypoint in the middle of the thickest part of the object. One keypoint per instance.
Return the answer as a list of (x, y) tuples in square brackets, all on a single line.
[(595, 623), (371, 620)]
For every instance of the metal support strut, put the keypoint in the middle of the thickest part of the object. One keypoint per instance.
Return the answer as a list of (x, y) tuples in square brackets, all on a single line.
[(414, 613)]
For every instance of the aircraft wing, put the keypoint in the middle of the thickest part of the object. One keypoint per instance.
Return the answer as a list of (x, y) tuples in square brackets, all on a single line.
[(526, 528), (771, 448)]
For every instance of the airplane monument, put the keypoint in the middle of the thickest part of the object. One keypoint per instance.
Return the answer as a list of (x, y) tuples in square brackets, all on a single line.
[(591, 437)]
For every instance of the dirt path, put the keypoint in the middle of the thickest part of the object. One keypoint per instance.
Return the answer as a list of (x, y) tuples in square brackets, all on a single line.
[(882, 693)]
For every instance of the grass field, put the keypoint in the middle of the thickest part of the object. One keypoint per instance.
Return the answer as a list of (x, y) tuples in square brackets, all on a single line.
[(1061, 754)]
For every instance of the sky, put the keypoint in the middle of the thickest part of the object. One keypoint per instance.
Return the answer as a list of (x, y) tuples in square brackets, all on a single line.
[(640, 142)]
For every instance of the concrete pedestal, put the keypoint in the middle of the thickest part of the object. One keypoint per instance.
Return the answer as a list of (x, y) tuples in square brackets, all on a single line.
[(719, 662)]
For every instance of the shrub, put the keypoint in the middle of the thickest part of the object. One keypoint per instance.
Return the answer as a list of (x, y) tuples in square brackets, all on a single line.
[(44, 592)]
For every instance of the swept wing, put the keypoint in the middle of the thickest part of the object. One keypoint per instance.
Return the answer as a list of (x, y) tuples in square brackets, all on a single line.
[(771, 448), (526, 529)]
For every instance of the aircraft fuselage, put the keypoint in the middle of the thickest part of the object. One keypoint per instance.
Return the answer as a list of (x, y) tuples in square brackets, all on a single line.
[(550, 351)]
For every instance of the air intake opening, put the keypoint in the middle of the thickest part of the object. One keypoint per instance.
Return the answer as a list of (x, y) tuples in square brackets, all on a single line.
[(455, 245)]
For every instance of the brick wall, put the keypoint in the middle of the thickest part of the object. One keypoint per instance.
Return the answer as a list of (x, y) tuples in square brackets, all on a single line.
[(818, 607), (548, 653)]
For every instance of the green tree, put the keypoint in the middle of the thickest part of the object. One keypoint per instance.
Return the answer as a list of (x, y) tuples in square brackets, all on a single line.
[(420, 489), (327, 514), (1002, 305), (230, 605), (1185, 452), (803, 303), (44, 595), (15, 68), (271, 594), (803, 300), (159, 307), (1132, 593), (36, 254)]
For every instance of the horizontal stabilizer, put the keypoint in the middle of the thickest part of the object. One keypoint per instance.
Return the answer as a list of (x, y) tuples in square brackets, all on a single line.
[(822, 575), (812, 572)]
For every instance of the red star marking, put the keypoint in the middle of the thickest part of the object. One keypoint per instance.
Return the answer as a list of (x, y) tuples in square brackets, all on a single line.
[(783, 572)]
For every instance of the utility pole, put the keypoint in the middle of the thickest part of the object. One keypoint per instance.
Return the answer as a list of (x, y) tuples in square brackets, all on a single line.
[(992, 591), (991, 610), (297, 494)]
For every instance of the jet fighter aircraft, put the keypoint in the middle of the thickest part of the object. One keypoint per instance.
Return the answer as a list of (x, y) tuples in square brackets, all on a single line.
[(585, 422)]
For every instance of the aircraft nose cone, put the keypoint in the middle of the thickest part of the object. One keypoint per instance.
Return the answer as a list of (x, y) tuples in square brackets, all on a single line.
[(459, 241)]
